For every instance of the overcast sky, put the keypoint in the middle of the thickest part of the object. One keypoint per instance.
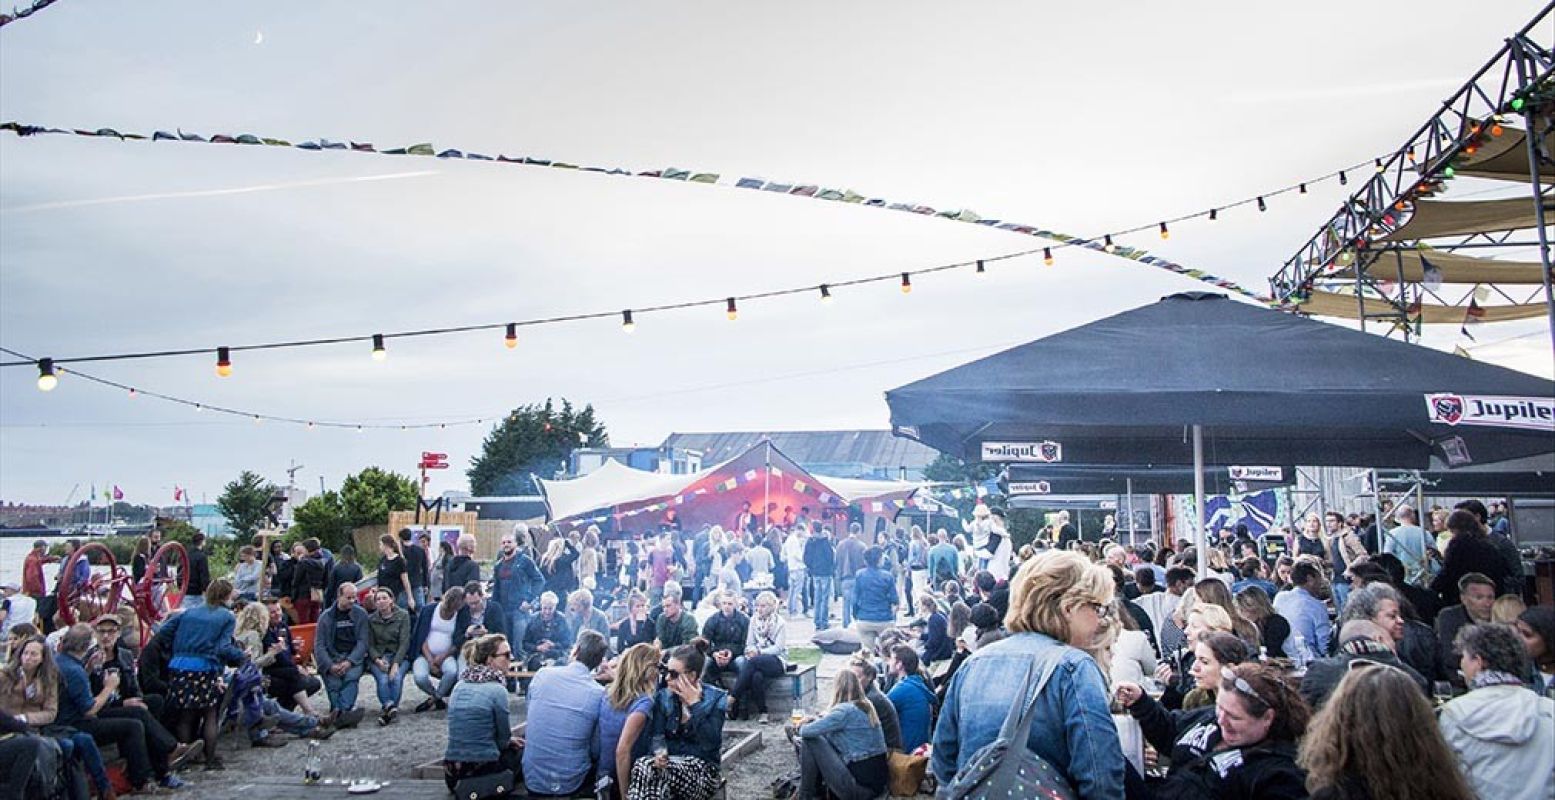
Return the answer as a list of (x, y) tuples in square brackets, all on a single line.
[(1080, 118)]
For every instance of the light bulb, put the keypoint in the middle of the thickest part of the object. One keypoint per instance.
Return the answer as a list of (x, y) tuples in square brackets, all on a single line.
[(1047, 256), (825, 293), (511, 339), (627, 324), (980, 268), (1165, 234), (1107, 244), (223, 362), (732, 311), (379, 353), (906, 283), (47, 380)]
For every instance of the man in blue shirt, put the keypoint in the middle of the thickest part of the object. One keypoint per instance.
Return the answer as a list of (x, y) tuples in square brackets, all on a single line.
[(515, 585), (1254, 573), (340, 653), (944, 562), (1303, 606), (563, 714), (911, 697), (78, 709)]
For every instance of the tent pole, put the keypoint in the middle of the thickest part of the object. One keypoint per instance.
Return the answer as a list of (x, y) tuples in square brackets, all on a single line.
[(766, 491), (1129, 485), (1198, 502)]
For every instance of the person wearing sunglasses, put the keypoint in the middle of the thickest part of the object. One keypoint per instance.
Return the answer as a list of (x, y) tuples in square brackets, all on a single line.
[(1185, 734), (480, 732), (1248, 749)]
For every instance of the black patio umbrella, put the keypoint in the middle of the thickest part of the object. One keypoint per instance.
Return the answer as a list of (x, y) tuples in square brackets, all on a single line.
[(1198, 378)]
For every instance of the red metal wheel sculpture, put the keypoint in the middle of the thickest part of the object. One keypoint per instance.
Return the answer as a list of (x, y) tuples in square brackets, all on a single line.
[(91, 584), (162, 588)]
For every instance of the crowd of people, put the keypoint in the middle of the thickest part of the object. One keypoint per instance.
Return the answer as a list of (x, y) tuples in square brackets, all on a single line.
[(1425, 675)]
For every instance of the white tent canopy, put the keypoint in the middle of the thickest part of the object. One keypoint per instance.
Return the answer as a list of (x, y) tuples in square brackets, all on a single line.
[(615, 485)]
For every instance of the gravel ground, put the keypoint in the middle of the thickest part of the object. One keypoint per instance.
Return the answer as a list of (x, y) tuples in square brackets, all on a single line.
[(392, 752)]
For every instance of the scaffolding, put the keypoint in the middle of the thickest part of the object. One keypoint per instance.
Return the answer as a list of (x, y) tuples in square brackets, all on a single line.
[(1383, 252)]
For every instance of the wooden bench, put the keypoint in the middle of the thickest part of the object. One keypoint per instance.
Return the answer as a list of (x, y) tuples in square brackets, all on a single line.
[(796, 688)]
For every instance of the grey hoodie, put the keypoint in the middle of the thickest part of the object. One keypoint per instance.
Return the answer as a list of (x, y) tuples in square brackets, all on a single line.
[(1505, 739)]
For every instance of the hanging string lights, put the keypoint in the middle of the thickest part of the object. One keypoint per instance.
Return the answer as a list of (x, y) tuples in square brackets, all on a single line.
[(47, 367)]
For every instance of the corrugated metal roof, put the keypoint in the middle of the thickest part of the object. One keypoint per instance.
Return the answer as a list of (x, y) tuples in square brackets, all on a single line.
[(876, 450)]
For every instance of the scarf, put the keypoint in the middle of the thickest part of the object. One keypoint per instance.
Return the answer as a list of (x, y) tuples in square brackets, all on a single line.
[(480, 673), (1363, 647), (764, 629), (1491, 677)]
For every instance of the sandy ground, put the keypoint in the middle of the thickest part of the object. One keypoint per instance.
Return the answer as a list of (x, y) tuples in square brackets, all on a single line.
[(390, 753)]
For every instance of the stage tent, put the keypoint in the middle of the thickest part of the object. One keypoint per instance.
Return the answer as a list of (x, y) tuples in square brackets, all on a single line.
[(638, 501)]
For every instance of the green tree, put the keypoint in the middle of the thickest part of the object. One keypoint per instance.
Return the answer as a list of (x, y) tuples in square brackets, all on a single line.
[(368, 496), (244, 502), (533, 439), (322, 517)]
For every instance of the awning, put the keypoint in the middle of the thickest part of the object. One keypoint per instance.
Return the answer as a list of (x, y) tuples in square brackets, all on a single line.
[(1454, 268), (1338, 304), (1506, 157), (1437, 218)]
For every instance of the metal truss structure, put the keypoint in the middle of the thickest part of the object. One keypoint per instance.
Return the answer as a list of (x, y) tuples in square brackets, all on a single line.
[(1359, 251)]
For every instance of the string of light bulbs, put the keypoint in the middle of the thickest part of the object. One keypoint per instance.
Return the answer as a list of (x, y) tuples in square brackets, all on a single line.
[(48, 379), (629, 316)]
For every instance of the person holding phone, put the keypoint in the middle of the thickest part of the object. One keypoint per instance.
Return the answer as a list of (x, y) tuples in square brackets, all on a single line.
[(686, 730)]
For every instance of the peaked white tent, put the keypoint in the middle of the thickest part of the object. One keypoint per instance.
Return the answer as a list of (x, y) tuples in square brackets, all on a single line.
[(761, 476)]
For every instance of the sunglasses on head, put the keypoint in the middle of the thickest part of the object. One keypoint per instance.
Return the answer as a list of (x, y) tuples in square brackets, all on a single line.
[(1240, 684)]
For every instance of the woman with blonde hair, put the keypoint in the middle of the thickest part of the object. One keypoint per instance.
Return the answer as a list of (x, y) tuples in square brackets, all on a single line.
[(1377, 739), (1058, 602), (1214, 592), (1507, 608), (624, 712), (588, 559), (843, 754)]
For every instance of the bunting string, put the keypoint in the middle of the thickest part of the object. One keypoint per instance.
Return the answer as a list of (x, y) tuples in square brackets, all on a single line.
[(1103, 244), (25, 12)]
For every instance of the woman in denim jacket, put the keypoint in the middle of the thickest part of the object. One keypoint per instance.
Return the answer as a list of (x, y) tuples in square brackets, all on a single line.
[(843, 753), (202, 645), (1057, 600), (686, 730)]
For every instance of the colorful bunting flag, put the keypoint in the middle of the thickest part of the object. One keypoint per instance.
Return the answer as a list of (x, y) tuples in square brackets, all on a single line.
[(800, 486), (1432, 275), (672, 173)]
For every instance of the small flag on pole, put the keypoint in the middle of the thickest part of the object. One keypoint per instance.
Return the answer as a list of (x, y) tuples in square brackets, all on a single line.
[(1431, 273), (117, 494)]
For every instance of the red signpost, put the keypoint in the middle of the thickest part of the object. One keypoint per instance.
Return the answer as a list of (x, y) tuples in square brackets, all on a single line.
[(430, 461)]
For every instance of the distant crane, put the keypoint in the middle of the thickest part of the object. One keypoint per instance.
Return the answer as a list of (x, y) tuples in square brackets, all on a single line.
[(72, 494)]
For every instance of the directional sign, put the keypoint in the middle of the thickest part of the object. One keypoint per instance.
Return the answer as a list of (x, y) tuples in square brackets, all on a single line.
[(437, 465), (425, 456)]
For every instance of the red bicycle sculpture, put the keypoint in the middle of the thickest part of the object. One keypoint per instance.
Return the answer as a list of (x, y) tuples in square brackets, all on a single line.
[(92, 583)]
